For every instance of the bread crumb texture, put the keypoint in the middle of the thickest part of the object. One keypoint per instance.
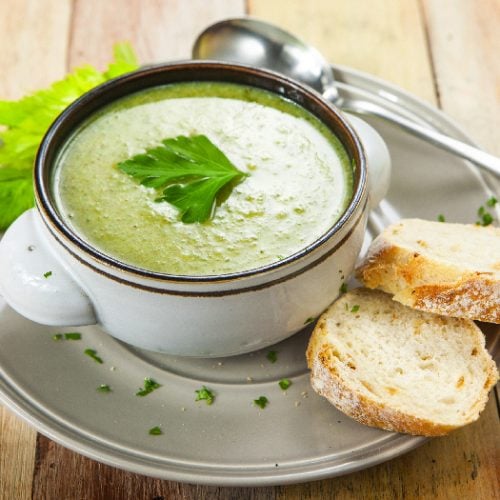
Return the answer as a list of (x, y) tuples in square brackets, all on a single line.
[(450, 269), (400, 369)]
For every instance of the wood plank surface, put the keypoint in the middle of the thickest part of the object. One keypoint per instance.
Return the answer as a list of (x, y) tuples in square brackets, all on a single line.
[(159, 30), (27, 43), (426, 48), (465, 40), (383, 37), (34, 39)]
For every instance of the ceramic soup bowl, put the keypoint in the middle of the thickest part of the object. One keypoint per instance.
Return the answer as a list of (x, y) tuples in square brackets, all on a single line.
[(214, 315)]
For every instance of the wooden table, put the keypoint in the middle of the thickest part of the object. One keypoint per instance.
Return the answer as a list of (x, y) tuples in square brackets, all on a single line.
[(444, 51)]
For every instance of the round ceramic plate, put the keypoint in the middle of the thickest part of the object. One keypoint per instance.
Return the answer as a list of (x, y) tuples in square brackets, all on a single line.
[(299, 436)]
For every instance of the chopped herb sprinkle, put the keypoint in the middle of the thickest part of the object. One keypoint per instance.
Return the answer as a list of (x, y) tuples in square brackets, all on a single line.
[(308, 320), (155, 431), (72, 336), (261, 402), (149, 386), (485, 217), (48, 274), (104, 388), (205, 394), (355, 308), (285, 383), (67, 336), (272, 356), (343, 288), (92, 353), (491, 202), (441, 218)]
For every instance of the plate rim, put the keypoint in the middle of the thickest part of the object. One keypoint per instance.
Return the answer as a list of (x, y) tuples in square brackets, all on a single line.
[(80, 443)]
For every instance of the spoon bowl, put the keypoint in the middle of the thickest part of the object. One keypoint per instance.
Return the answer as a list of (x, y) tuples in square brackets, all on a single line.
[(264, 45)]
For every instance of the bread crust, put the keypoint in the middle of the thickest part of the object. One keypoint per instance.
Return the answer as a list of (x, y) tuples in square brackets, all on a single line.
[(422, 283), (328, 381)]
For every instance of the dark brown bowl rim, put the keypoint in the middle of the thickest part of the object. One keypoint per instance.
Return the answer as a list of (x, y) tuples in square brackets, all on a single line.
[(185, 71)]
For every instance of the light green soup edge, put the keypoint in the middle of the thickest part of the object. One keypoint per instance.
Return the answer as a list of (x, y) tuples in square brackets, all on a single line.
[(299, 182)]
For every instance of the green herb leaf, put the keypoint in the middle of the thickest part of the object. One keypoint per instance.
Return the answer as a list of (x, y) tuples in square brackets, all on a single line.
[(486, 219), (67, 336), (310, 319), (441, 218), (26, 121), (104, 388), (155, 431), (73, 336), (149, 386), (16, 192), (125, 61), (355, 308), (205, 394), (343, 288), (285, 383), (261, 402), (192, 171), (48, 274), (272, 356), (93, 354)]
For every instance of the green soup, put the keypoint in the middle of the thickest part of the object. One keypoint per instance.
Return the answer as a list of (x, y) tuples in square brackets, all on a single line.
[(299, 179)]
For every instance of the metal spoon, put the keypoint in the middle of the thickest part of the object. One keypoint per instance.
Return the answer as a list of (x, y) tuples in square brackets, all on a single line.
[(261, 44)]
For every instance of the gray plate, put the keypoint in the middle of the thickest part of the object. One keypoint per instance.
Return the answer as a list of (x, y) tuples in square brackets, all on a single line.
[(299, 436)]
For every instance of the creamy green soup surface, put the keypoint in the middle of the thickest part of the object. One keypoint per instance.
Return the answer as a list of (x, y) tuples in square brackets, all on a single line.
[(299, 181)]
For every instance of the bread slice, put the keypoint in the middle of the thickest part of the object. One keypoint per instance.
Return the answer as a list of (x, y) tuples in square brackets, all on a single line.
[(450, 269), (399, 369)]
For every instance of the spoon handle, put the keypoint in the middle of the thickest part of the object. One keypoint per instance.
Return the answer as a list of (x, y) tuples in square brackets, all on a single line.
[(475, 155)]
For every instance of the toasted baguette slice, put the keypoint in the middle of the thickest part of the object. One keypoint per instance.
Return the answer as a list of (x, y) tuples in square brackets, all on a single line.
[(450, 269), (399, 369)]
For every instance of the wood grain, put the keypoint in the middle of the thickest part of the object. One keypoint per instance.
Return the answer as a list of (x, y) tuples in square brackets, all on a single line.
[(383, 37), (33, 55), (34, 36), (465, 45), (159, 30), (17, 457)]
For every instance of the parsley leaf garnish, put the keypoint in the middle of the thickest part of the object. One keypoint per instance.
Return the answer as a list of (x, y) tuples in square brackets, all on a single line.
[(48, 274), (149, 386), (285, 383), (72, 336), (192, 171), (104, 388), (492, 201), (67, 336), (93, 354), (25, 122), (205, 394), (261, 402), (272, 356), (155, 431), (485, 217)]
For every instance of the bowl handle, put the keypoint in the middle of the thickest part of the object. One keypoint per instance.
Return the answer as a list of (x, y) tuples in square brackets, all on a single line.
[(35, 282), (377, 157)]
